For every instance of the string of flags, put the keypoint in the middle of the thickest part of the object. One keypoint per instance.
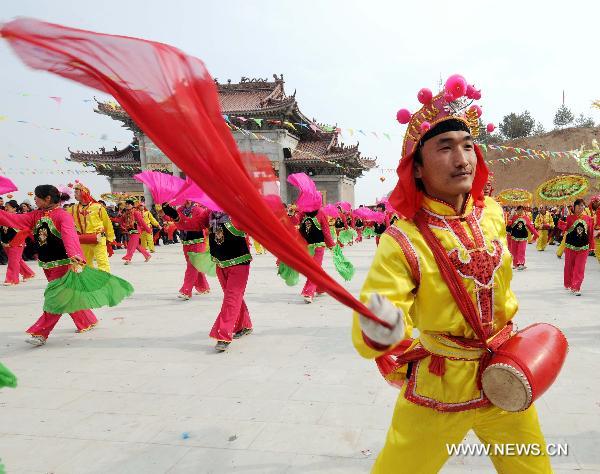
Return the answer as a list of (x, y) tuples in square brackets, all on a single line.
[(258, 136)]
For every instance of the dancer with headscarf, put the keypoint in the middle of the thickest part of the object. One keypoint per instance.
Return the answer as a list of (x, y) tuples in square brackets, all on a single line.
[(314, 226), (579, 240), (229, 250), (93, 226), (13, 241), (54, 232), (147, 238), (191, 219), (133, 223)]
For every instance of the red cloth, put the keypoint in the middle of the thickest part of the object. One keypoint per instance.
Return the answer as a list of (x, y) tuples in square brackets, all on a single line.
[(406, 198), (174, 100)]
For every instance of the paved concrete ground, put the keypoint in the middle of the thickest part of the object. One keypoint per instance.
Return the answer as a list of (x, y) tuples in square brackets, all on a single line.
[(145, 392)]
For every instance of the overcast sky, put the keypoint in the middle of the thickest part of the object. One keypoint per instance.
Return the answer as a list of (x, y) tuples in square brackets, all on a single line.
[(352, 63)]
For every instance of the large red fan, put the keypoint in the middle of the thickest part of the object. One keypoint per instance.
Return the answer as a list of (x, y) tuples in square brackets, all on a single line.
[(173, 99)]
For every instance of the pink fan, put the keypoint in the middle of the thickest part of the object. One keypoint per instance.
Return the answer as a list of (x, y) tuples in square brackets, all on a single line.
[(386, 202), (345, 205), (7, 186), (191, 192), (367, 214), (162, 186), (331, 210), (310, 198)]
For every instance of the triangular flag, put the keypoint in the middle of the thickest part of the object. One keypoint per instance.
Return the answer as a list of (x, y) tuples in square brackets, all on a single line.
[(258, 121), (56, 98)]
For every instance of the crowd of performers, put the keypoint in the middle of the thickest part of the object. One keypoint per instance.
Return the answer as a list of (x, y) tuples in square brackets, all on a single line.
[(575, 229), (91, 232), (443, 267)]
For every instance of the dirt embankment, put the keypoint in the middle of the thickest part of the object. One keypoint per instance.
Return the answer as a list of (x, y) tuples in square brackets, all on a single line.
[(529, 174)]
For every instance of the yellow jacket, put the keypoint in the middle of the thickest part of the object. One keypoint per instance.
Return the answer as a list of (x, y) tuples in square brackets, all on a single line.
[(428, 305), (149, 219), (541, 221), (92, 218)]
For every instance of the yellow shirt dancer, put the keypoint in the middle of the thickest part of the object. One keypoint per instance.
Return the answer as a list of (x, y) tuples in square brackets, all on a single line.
[(147, 238), (544, 224), (441, 178), (93, 226)]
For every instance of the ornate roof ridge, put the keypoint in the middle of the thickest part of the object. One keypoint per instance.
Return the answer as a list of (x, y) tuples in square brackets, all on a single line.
[(251, 84)]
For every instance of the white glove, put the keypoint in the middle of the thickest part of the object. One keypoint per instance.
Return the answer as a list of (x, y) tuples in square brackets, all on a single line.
[(386, 311)]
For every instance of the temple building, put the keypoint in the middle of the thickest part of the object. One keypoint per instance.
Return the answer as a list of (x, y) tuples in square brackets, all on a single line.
[(263, 119)]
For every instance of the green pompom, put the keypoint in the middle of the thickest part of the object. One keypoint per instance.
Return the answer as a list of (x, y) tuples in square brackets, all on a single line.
[(88, 289)]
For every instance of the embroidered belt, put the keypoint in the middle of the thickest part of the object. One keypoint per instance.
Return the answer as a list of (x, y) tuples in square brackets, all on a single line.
[(233, 261), (54, 264), (193, 241)]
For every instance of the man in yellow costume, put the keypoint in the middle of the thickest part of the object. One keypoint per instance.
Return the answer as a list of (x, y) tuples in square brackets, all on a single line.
[(147, 238), (440, 192), (93, 226), (544, 224)]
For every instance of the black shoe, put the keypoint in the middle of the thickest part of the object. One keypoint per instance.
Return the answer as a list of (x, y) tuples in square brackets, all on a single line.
[(243, 332), (222, 346)]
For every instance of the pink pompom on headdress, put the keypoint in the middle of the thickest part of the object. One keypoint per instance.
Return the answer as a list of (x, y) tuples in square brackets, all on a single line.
[(455, 101)]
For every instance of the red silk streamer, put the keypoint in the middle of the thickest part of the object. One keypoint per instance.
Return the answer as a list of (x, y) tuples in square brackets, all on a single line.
[(174, 100)]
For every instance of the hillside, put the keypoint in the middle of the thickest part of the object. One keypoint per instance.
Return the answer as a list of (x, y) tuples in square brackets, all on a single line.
[(528, 174)]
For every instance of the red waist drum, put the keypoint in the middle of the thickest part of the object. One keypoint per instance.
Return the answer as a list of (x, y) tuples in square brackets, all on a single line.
[(524, 367)]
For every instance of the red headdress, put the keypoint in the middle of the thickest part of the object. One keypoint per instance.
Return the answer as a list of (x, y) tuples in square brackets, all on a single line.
[(454, 103), (86, 196)]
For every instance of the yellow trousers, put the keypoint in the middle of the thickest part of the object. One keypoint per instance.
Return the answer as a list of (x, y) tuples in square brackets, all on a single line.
[(98, 253), (597, 251), (542, 240), (147, 241), (561, 248), (259, 248), (418, 437)]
